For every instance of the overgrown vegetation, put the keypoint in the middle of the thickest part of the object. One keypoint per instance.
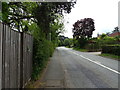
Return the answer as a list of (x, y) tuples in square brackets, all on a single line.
[(82, 31)]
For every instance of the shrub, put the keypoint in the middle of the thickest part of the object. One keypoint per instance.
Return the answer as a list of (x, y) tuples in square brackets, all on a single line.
[(111, 49)]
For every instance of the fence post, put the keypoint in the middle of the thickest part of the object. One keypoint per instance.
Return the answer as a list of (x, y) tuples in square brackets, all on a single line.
[(21, 60), (1, 31), (0, 48)]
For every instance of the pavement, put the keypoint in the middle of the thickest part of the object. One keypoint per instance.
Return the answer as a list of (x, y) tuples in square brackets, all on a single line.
[(94, 53), (73, 69)]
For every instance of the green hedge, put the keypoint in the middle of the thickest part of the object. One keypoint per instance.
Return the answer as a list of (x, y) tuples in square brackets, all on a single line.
[(93, 47), (111, 49), (42, 50)]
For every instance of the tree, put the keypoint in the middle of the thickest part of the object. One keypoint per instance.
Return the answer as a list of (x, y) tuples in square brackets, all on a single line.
[(15, 13), (82, 30), (116, 29), (44, 14), (103, 36)]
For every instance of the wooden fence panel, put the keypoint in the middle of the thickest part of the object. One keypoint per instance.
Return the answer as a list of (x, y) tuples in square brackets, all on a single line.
[(13, 61), (3, 57), (19, 57), (15, 58), (7, 56), (27, 52)]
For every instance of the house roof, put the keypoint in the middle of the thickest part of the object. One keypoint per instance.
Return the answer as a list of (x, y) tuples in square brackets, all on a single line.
[(115, 34)]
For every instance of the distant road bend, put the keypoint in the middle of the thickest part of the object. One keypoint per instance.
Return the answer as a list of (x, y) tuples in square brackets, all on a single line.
[(73, 69)]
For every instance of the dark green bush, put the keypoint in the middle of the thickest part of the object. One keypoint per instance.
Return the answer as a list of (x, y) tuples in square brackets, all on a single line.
[(111, 49), (42, 50)]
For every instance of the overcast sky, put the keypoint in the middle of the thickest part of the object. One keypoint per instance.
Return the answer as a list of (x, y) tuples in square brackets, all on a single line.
[(104, 13)]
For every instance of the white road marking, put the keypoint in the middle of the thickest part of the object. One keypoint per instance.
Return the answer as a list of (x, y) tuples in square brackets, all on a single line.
[(98, 63)]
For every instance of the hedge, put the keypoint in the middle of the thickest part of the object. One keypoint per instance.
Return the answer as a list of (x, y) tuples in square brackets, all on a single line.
[(42, 50), (93, 47), (111, 49)]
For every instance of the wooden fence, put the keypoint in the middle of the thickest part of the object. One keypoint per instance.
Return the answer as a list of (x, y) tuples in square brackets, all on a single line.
[(15, 58)]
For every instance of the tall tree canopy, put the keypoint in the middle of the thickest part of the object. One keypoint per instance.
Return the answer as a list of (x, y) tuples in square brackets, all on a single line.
[(116, 29), (20, 15), (83, 28), (41, 13)]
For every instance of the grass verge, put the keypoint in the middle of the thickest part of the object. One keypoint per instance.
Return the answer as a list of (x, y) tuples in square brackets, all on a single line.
[(110, 56), (82, 50)]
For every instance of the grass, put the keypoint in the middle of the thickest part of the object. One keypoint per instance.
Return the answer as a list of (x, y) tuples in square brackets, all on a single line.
[(103, 54), (110, 56), (82, 50)]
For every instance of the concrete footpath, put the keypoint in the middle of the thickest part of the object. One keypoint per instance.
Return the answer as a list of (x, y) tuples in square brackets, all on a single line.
[(54, 75)]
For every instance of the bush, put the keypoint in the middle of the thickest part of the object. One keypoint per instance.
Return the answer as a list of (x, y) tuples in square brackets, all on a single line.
[(42, 50), (80, 43), (111, 49)]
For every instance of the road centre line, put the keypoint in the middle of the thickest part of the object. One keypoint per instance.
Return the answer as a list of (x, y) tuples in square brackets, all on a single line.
[(98, 63)]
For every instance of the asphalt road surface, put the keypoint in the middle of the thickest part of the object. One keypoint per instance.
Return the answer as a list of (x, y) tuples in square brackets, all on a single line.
[(73, 69)]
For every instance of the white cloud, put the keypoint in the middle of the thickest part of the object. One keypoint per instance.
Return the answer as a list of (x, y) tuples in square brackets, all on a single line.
[(104, 12)]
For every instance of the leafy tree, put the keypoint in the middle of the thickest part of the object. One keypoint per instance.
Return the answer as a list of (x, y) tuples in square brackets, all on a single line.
[(116, 29), (103, 36), (68, 42), (44, 14), (82, 30), (65, 41), (15, 13)]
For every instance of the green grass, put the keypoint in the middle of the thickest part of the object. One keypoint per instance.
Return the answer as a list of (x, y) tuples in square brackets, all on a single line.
[(82, 50), (110, 56)]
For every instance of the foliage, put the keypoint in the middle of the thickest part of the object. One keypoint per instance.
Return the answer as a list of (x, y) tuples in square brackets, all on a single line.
[(104, 40), (103, 36), (111, 49), (116, 29), (14, 13), (43, 49), (68, 42), (82, 50), (95, 44), (65, 41), (80, 43), (82, 31), (93, 47), (43, 14), (83, 28), (56, 29)]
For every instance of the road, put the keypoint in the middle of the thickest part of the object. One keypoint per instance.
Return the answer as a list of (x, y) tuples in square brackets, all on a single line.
[(73, 69)]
